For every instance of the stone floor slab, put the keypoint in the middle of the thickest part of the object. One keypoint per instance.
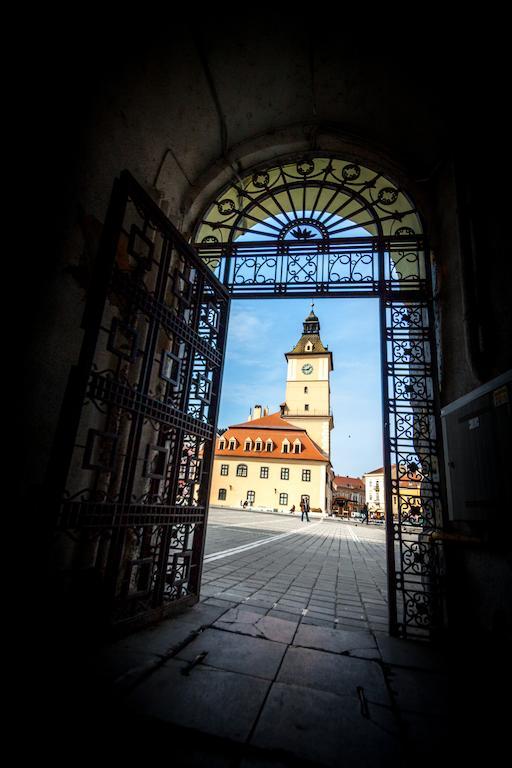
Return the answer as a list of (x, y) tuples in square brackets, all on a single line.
[(211, 700), (236, 653), (342, 675), (404, 653), (322, 728), (357, 643), (254, 624)]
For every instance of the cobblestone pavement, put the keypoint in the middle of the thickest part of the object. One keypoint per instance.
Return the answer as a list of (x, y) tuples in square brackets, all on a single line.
[(326, 573)]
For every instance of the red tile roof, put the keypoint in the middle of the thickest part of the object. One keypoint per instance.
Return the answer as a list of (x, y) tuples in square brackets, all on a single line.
[(350, 482), (271, 427), (272, 421)]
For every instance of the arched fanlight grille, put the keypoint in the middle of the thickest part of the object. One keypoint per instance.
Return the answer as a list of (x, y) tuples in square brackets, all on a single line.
[(316, 197)]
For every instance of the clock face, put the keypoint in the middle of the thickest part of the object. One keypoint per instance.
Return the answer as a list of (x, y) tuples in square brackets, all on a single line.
[(307, 368)]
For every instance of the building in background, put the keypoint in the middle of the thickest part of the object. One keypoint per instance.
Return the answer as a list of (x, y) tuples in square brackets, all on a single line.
[(410, 487), (348, 496), (275, 460)]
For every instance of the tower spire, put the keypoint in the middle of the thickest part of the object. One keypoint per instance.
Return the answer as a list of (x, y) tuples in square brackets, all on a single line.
[(311, 323)]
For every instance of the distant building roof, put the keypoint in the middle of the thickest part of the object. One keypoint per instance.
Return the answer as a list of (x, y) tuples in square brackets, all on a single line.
[(272, 421), (310, 342), (274, 428), (349, 482)]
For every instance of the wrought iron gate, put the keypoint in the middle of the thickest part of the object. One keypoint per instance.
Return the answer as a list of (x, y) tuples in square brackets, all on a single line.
[(135, 445), (302, 217)]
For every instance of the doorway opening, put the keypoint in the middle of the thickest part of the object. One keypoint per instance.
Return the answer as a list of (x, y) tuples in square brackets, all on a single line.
[(268, 556), (131, 472)]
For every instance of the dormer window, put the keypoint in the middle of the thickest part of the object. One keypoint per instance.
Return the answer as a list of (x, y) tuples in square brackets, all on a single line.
[(309, 347), (232, 444), (285, 447), (258, 446), (248, 444), (222, 445), (297, 446), (269, 445)]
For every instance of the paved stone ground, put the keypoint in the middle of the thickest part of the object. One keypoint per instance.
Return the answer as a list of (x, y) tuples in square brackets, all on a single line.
[(326, 573), (285, 662)]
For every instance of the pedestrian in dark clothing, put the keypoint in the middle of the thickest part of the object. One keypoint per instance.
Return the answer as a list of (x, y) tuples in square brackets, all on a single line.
[(292, 510), (304, 508), (365, 514)]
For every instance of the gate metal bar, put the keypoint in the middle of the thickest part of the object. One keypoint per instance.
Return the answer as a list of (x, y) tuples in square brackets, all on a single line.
[(132, 461)]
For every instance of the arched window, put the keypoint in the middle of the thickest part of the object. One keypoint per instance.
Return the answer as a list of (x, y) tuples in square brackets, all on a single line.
[(241, 470)]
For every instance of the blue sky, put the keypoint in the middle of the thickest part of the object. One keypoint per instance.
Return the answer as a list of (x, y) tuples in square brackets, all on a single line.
[(260, 332)]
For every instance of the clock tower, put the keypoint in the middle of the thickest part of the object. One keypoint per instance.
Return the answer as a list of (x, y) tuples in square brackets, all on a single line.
[(308, 403)]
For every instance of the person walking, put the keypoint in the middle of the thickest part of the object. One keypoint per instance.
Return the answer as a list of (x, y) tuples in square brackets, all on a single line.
[(304, 508)]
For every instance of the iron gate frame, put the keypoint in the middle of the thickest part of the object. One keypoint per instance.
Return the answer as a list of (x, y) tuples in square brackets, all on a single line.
[(145, 549), (393, 266)]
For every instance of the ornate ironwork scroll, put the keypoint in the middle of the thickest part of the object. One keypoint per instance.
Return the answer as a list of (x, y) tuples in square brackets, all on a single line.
[(314, 197), (142, 406), (339, 267), (413, 481)]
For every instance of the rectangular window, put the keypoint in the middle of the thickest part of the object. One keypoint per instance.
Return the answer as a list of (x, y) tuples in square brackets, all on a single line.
[(222, 494), (306, 475), (283, 498), (285, 448), (306, 407), (251, 496), (269, 446), (285, 473), (264, 472), (224, 469), (305, 390)]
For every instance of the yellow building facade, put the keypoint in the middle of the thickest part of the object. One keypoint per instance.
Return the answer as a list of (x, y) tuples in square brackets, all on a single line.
[(273, 461), (410, 493)]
